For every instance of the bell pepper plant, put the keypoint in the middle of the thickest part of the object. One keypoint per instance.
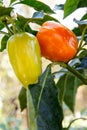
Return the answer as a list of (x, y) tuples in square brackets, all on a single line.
[(40, 94)]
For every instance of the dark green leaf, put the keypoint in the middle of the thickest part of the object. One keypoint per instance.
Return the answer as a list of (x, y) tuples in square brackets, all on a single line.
[(48, 17), (70, 6), (84, 17), (83, 63), (61, 84), (45, 99), (40, 21), (5, 11), (4, 42), (22, 99), (12, 1), (77, 31), (1, 25), (67, 86), (28, 29), (22, 23), (72, 83), (82, 4), (83, 54), (37, 5), (81, 25), (32, 115)]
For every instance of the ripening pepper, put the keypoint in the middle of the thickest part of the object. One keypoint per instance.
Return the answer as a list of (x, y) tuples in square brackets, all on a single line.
[(24, 55), (57, 42)]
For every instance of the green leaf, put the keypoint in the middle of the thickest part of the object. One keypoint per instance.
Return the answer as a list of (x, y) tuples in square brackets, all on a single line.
[(81, 25), (22, 23), (83, 66), (5, 11), (4, 42), (32, 118), (45, 99), (70, 6), (37, 5), (12, 1), (40, 21), (72, 84), (84, 17), (22, 99), (61, 84), (83, 54), (28, 29), (80, 22), (68, 85), (82, 4), (77, 31), (48, 17), (1, 25)]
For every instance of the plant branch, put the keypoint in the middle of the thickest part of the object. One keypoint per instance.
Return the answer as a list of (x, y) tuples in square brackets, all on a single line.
[(31, 20), (9, 30), (5, 23), (2, 32), (76, 73), (72, 70)]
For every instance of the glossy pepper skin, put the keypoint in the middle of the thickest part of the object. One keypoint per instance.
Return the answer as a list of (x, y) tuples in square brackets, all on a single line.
[(24, 55), (57, 42)]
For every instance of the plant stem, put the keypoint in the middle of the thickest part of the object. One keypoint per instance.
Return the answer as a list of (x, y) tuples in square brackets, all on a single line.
[(6, 22), (82, 39), (12, 21), (13, 25), (72, 70), (76, 73), (9, 30), (2, 32), (30, 20)]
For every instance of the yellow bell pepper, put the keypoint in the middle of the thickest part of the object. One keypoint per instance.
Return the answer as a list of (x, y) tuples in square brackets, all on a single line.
[(25, 58)]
